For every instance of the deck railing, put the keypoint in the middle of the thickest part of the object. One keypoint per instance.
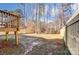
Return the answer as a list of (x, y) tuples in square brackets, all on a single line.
[(8, 20)]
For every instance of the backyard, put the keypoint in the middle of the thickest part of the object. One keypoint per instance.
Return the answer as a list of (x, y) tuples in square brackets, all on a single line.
[(31, 45), (35, 28)]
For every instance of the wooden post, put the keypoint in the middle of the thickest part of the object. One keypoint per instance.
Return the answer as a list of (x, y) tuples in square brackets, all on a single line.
[(66, 34), (16, 37), (7, 36), (18, 23)]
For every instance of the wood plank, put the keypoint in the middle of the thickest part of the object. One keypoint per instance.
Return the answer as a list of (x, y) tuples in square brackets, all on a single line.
[(7, 29)]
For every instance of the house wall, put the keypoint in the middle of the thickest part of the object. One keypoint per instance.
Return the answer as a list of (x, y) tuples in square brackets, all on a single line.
[(71, 36)]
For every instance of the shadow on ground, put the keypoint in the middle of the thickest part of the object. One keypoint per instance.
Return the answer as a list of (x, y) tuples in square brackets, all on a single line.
[(37, 46)]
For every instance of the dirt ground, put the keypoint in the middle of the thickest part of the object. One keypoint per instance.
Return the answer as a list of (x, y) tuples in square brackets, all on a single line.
[(34, 45)]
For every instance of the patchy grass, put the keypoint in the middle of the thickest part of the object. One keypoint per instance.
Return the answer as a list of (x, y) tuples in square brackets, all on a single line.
[(30, 45)]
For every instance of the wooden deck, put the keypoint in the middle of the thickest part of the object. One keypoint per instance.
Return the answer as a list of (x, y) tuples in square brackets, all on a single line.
[(9, 22), (7, 29)]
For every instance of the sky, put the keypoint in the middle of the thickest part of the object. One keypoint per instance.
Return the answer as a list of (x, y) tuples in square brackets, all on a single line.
[(50, 9), (29, 9), (8, 6)]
